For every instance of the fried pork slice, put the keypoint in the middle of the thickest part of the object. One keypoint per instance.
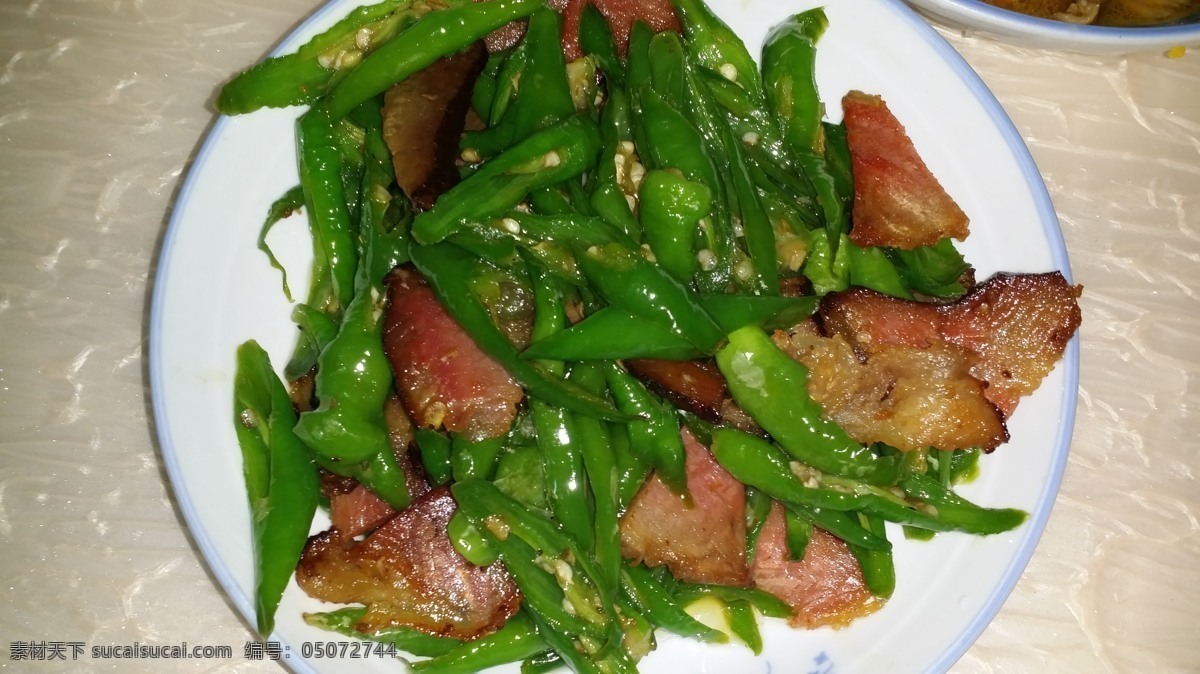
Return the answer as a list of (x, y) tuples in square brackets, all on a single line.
[(897, 200), (826, 587), (408, 574), (1018, 326), (423, 118), (1014, 326), (907, 397), (703, 541), (445, 380)]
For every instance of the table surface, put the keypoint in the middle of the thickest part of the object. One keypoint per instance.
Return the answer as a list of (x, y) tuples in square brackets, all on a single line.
[(102, 107)]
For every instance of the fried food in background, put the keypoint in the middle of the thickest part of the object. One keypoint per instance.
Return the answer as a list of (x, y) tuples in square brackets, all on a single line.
[(1105, 12)]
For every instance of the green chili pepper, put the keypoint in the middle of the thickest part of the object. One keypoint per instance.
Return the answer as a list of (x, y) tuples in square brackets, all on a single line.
[(607, 198), (317, 330), (931, 270), (335, 255), (798, 531), (592, 436), (541, 663), (517, 640), (762, 276), (758, 507), (434, 36), (551, 570), (543, 95), (628, 281), (654, 432), (281, 208), (508, 78), (662, 609), (958, 512), (773, 389), (871, 268), (672, 141), (483, 94), (521, 475), (353, 380), (596, 40), (545, 158), (281, 480), (838, 162), (612, 334), (435, 455), (671, 210), (789, 57), (409, 640), (827, 266), (878, 568), (767, 604), (744, 624), (757, 463), (474, 458), (844, 525), (715, 46), (667, 68), (306, 75), (562, 453), (632, 471), (469, 542), (449, 270), (735, 311)]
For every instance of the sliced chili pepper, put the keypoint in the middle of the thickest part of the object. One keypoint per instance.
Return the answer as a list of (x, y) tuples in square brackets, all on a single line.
[(307, 74), (434, 36), (629, 281), (773, 388), (545, 158), (543, 95), (281, 480), (612, 334)]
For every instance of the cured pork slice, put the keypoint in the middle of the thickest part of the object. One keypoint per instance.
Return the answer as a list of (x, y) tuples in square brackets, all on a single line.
[(408, 574), (621, 15), (1018, 326), (423, 119), (826, 587), (703, 541), (897, 200), (913, 374), (445, 380)]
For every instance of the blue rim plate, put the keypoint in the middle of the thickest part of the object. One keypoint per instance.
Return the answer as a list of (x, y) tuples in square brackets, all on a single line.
[(1038, 32), (214, 289)]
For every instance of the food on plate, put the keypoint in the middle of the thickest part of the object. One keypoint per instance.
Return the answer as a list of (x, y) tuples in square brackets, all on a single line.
[(605, 319), (1106, 12)]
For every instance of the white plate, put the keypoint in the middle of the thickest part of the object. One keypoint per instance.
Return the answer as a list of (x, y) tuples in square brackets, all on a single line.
[(214, 289), (1037, 32)]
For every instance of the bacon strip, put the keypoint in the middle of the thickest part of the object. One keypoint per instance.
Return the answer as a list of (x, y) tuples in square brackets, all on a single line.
[(443, 377), (826, 587), (409, 575), (700, 542)]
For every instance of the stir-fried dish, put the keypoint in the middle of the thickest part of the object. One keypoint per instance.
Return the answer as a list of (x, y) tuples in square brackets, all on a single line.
[(606, 318)]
